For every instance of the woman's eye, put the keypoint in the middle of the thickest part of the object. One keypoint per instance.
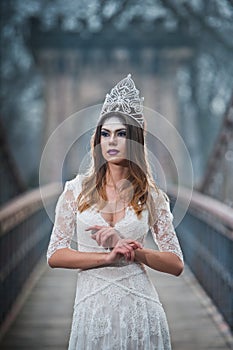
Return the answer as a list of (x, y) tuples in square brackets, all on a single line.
[(104, 133), (122, 133)]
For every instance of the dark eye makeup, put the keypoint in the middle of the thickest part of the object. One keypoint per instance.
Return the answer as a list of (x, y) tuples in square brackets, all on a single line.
[(120, 133), (104, 133)]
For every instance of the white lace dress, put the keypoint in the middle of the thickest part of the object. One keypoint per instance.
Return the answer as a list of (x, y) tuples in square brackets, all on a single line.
[(116, 307)]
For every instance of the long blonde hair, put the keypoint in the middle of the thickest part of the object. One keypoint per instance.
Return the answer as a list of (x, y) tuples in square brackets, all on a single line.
[(93, 184)]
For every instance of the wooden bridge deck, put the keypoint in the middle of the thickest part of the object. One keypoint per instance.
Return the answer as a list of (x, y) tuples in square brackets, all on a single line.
[(45, 318)]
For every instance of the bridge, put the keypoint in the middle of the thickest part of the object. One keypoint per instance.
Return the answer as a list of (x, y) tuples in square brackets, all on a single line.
[(35, 298), (55, 71)]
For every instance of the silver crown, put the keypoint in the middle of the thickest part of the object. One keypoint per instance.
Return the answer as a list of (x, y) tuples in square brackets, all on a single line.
[(124, 97)]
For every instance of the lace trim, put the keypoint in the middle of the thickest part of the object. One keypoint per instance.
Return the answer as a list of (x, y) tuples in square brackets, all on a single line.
[(163, 231), (65, 217)]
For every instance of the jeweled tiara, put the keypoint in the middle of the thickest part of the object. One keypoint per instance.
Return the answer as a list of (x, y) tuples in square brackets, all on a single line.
[(124, 97)]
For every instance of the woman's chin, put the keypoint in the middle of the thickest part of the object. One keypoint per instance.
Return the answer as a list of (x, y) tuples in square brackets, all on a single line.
[(118, 161)]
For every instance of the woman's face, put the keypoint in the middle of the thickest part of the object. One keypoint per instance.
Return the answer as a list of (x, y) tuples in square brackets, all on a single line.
[(113, 140)]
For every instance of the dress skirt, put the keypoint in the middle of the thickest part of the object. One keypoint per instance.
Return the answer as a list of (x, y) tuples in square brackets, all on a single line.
[(117, 308)]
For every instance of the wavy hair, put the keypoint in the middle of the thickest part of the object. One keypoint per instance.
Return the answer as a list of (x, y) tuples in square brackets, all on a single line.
[(93, 185)]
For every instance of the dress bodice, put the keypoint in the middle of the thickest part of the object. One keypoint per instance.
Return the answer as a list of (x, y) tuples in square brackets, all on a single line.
[(127, 227), (70, 224)]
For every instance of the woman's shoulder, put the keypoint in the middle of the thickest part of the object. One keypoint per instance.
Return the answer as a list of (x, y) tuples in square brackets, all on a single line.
[(75, 184), (159, 197)]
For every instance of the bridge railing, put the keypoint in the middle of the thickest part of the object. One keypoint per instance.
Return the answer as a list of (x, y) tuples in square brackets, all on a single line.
[(24, 234), (206, 237), (205, 234)]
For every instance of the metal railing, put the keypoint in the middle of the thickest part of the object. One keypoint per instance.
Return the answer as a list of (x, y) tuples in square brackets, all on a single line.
[(24, 235), (206, 238), (205, 234)]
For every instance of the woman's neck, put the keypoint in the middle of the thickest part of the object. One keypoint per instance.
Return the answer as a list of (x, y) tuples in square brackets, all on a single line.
[(116, 173)]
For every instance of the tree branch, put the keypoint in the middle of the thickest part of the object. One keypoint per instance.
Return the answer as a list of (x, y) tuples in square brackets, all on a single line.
[(212, 31), (200, 19)]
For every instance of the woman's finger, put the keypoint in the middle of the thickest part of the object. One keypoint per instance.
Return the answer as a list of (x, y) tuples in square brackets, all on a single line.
[(103, 238), (120, 251), (127, 245), (133, 243), (135, 246), (127, 253), (101, 235), (98, 237), (106, 237), (132, 256), (94, 227)]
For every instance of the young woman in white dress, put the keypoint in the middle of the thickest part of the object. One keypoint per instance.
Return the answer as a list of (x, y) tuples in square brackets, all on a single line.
[(110, 210)]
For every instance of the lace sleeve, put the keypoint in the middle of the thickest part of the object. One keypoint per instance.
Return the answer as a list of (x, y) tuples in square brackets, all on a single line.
[(64, 224), (163, 231)]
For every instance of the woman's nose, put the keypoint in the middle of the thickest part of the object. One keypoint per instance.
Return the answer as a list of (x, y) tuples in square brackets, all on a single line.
[(113, 138)]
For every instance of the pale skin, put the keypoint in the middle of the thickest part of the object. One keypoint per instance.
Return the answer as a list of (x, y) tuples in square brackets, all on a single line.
[(113, 136)]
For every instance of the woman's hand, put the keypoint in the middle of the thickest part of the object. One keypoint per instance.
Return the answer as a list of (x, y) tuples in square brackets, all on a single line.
[(105, 236), (124, 247)]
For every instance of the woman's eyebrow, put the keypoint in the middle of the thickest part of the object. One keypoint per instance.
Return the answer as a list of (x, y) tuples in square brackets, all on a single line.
[(114, 130)]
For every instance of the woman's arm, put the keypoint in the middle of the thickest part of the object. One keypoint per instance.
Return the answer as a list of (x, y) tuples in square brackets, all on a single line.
[(72, 259), (169, 258), (59, 252), (161, 261)]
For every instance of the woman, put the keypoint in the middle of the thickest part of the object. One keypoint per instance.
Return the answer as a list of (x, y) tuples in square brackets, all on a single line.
[(111, 209)]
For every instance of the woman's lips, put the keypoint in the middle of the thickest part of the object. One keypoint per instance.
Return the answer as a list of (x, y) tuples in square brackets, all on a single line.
[(112, 152)]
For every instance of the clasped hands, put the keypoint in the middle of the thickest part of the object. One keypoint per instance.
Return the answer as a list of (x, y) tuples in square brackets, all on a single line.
[(108, 237)]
